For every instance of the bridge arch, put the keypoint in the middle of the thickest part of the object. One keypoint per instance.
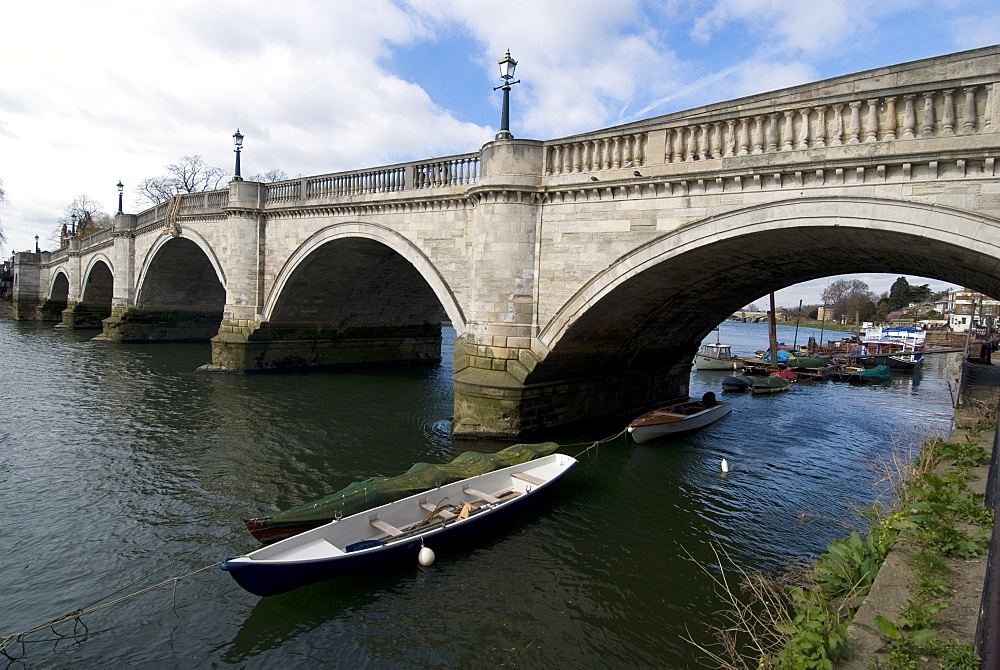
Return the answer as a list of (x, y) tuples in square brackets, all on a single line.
[(165, 247), (660, 300), (98, 281), (59, 286), (402, 250)]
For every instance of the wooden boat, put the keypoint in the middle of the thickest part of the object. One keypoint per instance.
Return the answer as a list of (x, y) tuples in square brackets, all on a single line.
[(736, 384), (679, 418), (396, 530), (361, 495), (770, 384), (717, 357), (875, 375)]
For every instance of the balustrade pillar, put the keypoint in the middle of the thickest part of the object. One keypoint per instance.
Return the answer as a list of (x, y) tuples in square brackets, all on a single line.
[(803, 128), (820, 138), (616, 156), (969, 112), (909, 117), (948, 113), (678, 145), (854, 125), (758, 134), (890, 113), (871, 134), (703, 151), (639, 152), (772, 132), (789, 132), (626, 151), (691, 151), (730, 143), (928, 121), (837, 132), (576, 156), (744, 136), (715, 146)]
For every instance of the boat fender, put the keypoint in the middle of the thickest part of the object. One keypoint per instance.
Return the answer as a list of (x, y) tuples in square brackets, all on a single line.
[(725, 465), (426, 556)]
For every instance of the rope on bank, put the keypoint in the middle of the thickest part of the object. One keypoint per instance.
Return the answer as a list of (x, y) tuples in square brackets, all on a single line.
[(75, 615)]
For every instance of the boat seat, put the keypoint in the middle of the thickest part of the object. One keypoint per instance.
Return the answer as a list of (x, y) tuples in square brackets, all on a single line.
[(385, 527), (525, 477), (482, 496), (442, 512)]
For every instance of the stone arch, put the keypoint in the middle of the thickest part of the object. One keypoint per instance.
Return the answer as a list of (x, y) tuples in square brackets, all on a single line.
[(59, 286), (98, 280), (157, 247), (376, 233), (168, 248), (658, 301)]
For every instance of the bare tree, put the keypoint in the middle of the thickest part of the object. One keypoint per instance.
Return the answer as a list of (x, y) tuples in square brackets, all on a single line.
[(189, 175), (846, 297), (83, 215), (269, 176)]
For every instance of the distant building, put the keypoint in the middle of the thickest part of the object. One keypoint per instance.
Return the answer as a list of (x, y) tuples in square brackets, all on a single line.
[(6, 279), (960, 305)]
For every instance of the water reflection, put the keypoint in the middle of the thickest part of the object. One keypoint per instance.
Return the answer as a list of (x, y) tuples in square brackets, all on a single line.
[(122, 459)]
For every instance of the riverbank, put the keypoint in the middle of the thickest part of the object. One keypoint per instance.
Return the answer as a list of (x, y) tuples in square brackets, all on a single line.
[(924, 605)]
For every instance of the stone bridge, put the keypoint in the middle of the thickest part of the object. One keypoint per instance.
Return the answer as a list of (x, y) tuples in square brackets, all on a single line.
[(581, 273)]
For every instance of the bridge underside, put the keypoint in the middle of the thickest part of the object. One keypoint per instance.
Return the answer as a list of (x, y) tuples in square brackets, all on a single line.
[(633, 347), (181, 300), (353, 301), (95, 305)]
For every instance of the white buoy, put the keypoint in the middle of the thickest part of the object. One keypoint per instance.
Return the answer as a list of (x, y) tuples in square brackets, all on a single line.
[(426, 556), (725, 465)]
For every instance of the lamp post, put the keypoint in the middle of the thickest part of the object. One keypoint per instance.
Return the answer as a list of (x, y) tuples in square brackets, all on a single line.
[(73, 229), (37, 250), (238, 141), (507, 65), (121, 191)]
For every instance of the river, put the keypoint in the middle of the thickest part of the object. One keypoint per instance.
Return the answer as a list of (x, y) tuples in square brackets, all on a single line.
[(120, 463)]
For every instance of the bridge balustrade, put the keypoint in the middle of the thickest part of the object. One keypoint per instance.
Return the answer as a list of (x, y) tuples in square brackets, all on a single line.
[(903, 114)]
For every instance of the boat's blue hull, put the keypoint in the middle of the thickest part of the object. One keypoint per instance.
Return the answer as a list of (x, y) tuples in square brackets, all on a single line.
[(270, 578)]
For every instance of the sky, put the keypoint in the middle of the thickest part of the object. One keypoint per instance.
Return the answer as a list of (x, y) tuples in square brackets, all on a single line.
[(100, 91)]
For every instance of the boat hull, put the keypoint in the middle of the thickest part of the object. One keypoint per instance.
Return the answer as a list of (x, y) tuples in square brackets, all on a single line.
[(650, 431), (703, 362), (355, 543)]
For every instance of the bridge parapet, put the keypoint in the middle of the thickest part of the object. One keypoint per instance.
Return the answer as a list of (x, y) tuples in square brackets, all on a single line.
[(886, 105), (440, 172)]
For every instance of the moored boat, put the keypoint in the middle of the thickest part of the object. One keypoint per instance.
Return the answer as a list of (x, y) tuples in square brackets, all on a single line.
[(396, 530), (769, 384), (362, 495), (717, 356), (737, 384), (875, 375), (678, 418)]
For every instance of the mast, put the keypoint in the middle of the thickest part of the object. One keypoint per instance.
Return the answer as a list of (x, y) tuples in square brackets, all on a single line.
[(773, 332), (795, 342)]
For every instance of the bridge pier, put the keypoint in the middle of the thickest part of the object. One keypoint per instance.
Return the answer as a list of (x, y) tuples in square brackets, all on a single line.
[(242, 345), (84, 315), (497, 398), (132, 324)]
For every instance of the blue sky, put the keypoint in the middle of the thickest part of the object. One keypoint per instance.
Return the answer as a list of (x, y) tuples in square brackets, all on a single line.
[(93, 92)]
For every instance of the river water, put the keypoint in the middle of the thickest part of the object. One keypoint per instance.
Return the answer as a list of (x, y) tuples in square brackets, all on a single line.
[(122, 467)]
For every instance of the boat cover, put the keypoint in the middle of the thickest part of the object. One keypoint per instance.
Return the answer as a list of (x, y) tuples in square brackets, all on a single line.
[(359, 496), (783, 356)]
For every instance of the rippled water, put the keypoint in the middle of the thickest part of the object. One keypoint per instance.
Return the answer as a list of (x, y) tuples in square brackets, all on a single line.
[(121, 461)]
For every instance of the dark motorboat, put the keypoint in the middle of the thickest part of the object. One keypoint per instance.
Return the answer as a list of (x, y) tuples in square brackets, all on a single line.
[(736, 384)]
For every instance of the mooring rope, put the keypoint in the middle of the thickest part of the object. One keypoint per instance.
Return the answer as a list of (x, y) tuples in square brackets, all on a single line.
[(598, 443), (77, 613)]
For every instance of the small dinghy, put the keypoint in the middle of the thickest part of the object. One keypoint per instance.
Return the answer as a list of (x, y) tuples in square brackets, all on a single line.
[(736, 384), (396, 530), (678, 418)]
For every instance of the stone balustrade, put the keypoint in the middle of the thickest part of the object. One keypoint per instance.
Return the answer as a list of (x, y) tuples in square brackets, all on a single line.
[(596, 154), (906, 115), (450, 171)]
